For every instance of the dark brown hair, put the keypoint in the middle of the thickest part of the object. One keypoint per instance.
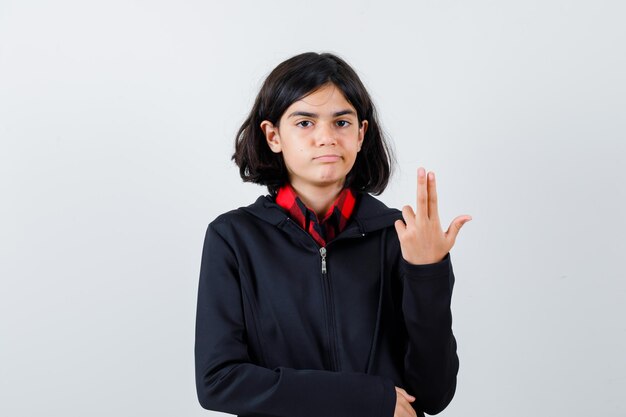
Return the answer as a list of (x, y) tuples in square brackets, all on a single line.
[(289, 82)]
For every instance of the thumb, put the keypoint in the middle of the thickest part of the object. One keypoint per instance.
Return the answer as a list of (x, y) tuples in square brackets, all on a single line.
[(405, 394), (456, 225)]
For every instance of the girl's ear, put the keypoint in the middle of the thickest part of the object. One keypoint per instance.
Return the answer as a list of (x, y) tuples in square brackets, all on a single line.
[(271, 136), (362, 131)]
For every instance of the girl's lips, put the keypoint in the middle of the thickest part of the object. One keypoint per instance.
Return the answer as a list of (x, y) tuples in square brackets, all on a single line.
[(328, 158)]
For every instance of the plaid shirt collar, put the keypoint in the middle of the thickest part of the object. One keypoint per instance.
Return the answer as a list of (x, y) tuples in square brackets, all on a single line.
[(334, 221)]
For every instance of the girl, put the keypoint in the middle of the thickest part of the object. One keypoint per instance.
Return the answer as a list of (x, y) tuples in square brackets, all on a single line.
[(318, 300)]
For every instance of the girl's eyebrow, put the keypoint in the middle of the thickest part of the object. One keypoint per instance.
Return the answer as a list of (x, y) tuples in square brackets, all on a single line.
[(315, 115)]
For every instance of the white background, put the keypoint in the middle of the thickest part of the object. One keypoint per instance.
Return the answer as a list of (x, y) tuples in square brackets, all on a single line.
[(117, 122)]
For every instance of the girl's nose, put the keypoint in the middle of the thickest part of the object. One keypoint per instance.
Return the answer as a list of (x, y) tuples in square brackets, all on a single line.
[(326, 135)]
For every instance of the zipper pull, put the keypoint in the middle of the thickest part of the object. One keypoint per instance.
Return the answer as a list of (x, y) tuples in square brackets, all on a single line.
[(323, 253)]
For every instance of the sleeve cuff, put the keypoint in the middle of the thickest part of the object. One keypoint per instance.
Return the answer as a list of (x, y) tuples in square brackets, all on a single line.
[(441, 268), (388, 406)]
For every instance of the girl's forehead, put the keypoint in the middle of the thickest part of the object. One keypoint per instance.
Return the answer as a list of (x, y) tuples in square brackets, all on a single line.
[(328, 95)]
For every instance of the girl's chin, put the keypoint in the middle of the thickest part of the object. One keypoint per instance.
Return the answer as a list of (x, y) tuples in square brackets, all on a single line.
[(320, 182), (323, 179)]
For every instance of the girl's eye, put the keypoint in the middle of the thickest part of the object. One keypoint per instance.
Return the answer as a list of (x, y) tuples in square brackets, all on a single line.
[(304, 123), (343, 123)]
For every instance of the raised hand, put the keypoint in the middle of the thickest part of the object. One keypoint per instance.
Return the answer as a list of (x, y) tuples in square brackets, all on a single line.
[(421, 239)]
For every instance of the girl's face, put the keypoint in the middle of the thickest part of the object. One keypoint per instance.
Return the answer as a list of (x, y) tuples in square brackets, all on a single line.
[(319, 137)]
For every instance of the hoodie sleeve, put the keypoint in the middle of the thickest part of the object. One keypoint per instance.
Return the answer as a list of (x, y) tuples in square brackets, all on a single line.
[(431, 362), (228, 381)]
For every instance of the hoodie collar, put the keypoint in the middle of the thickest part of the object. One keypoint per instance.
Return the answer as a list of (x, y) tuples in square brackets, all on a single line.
[(370, 214), (321, 229)]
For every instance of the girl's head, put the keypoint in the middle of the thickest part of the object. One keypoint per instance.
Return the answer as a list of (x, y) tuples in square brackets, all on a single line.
[(272, 148)]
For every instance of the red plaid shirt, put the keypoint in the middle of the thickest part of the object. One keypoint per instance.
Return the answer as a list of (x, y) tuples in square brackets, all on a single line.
[(334, 221)]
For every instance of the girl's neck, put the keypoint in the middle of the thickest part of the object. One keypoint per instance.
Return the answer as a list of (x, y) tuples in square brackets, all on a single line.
[(319, 199)]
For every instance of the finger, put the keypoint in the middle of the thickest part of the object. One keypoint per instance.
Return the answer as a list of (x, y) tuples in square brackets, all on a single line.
[(408, 215), (422, 195), (455, 226), (408, 409), (433, 210), (400, 228), (405, 409)]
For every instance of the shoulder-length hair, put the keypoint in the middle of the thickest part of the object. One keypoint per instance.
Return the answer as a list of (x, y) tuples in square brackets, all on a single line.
[(290, 81)]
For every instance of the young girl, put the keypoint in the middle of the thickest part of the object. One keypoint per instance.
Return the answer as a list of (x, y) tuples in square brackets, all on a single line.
[(318, 300)]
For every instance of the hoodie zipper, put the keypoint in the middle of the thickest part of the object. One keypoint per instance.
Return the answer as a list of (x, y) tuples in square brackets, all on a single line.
[(323, 255), (328, 302), (333, 356)]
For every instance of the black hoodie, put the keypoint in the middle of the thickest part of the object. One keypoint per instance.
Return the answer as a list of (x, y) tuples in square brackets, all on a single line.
[(286, 328)]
